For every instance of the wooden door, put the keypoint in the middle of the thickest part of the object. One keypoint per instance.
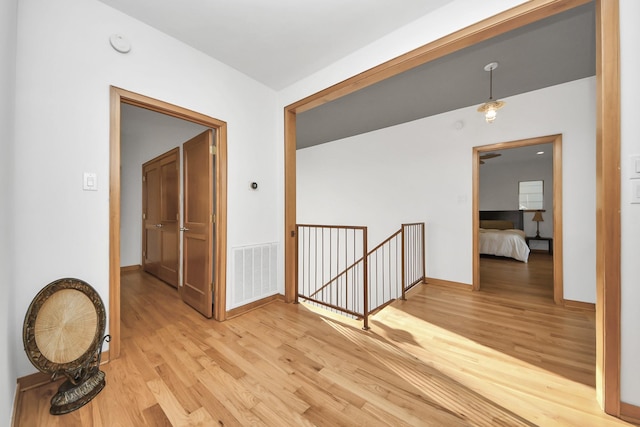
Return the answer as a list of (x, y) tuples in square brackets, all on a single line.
[(161, 202), (197, 237), (151, 218)]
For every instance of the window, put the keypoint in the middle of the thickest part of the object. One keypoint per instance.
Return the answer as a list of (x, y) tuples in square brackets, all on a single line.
[(531, 195)]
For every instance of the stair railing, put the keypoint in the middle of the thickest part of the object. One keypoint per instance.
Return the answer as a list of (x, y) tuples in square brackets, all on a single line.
[(414, 256), (333, 271), (331, 267)]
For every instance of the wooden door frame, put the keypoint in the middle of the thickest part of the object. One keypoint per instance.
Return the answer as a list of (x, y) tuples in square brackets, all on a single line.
[(556, 140), (117, 98), (607, 158)]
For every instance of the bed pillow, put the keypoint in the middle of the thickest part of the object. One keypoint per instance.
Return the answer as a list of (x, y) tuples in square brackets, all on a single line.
[(496, 224)]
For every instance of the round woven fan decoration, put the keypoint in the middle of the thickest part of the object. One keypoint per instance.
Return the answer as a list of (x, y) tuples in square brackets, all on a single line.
[(65, 326), (63, 333)]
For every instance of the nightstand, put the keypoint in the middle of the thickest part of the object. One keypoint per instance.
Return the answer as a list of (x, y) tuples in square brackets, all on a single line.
[(549, 241)]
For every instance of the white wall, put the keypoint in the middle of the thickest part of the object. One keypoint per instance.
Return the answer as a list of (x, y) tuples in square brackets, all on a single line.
[(145, 135), (498, 190), (64, 67), (8, 323), (422, 171), (630, 213)]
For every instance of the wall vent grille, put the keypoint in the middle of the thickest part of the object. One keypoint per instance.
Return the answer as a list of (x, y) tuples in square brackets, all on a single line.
[(255, 272)]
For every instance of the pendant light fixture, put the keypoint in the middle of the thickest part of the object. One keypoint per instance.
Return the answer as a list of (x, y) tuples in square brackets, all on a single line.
[(491, 107)]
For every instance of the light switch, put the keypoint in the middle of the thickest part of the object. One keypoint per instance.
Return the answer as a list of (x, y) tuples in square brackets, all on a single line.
[(635, 191), (634, 170), (90, 181)]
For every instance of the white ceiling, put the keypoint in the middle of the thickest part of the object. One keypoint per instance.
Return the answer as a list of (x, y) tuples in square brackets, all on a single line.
[(277, 42)]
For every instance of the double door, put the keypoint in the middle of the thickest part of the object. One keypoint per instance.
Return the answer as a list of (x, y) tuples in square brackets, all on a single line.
[(160, 217), (162, 252)]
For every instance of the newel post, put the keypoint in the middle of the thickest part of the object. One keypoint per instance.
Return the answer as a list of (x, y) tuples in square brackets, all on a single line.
[(365, 279), (402, 283)]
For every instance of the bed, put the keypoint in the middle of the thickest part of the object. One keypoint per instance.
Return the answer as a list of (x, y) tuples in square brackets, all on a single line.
[(501, 234)]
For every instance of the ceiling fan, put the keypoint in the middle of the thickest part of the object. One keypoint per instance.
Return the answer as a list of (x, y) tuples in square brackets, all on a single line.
[(488, 156)]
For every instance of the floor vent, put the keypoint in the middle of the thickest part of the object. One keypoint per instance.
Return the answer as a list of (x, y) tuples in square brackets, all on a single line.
[(255, 272)]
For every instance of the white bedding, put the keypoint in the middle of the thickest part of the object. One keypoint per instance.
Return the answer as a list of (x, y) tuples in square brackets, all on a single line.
[(507, 243)]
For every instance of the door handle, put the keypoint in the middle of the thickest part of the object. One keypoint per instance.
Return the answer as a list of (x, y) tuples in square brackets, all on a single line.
[(184, 229), (159, 225)]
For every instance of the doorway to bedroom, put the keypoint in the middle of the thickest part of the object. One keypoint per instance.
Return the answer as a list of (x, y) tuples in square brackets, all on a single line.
[(518, 242)]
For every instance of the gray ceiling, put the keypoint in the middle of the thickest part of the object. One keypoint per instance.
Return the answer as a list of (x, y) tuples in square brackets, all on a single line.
[(527, 153), (137, 121), (546, 53)]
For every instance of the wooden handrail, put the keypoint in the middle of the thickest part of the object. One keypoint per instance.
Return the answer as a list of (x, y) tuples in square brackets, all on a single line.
[(385, 242), (346, 270), (348, 227), (352, 293)]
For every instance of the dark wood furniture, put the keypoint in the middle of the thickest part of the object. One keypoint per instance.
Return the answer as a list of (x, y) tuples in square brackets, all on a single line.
[(549, 241), (514, 216)]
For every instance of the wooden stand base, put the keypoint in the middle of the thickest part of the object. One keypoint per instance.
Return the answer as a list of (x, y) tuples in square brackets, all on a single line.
[(73, 396)]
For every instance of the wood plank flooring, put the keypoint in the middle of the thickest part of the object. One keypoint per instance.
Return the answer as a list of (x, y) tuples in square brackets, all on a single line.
[(504, 356)]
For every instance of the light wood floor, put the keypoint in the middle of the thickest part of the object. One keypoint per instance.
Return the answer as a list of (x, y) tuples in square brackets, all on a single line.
[(504, 356)]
